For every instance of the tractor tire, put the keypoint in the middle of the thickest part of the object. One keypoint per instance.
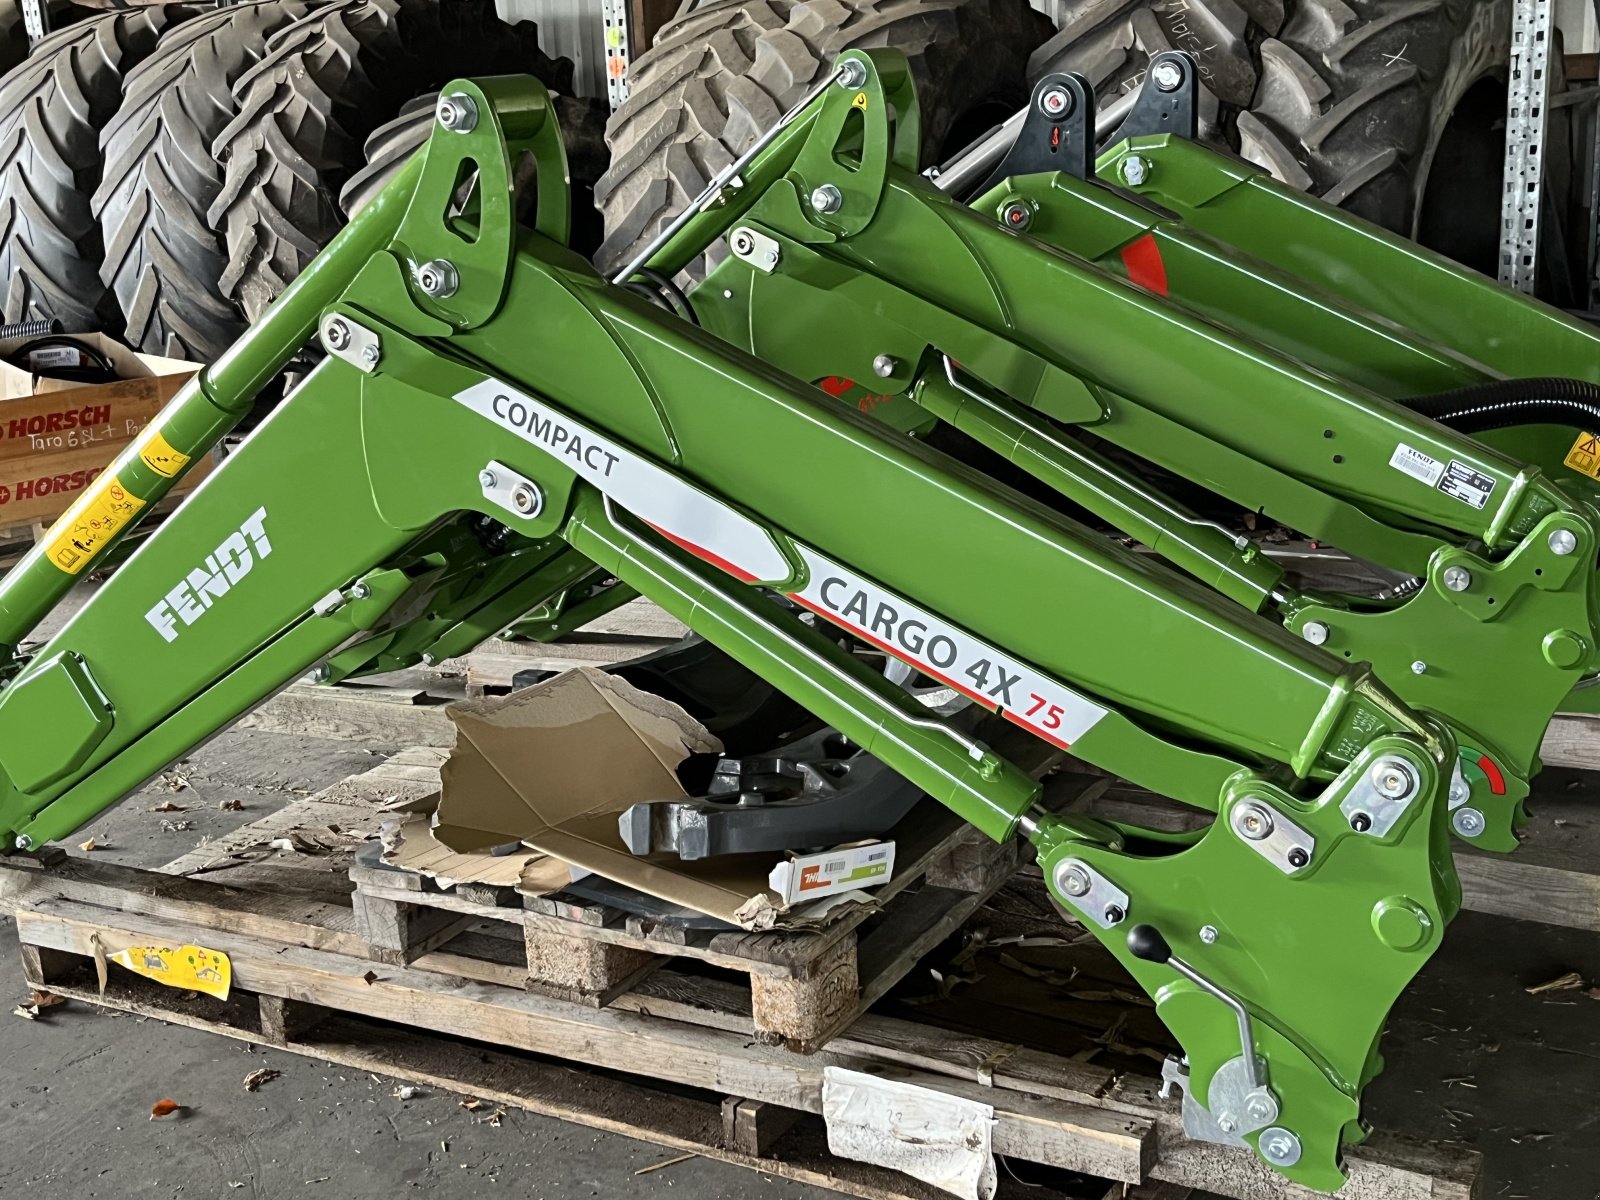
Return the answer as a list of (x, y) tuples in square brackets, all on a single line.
[(719, 76), (1350, 100), (305, 110), (583, 131), (14, 32), (163, 261), (1357, 101), (51, 111)]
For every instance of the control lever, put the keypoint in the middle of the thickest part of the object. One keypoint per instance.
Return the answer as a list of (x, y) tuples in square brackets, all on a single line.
[(1145, 942)]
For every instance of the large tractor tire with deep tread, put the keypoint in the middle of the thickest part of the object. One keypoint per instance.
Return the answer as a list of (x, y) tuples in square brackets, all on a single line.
[(1346, 99), (51, 111), (306, 109), (163, 261), (1355, 99), (720, 75), (14, 31)]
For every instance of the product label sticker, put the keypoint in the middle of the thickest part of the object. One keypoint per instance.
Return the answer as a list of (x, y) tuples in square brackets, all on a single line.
[(1416, 464), (91, 523), (52, 357), (1584, 457), (1465, 484), (160, 457)]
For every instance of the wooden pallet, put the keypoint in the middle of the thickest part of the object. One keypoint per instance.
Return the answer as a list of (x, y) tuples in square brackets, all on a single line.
[(804, 986), (304, 981)]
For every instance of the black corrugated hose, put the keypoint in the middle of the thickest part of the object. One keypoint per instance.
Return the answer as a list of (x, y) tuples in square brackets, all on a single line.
[(1504, 403)]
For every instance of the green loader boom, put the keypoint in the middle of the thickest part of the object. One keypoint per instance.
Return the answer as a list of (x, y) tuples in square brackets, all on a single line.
[(496, 429)]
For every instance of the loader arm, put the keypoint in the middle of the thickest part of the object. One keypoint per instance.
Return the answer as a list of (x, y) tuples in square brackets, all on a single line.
[(1021, 342), (494, 425)]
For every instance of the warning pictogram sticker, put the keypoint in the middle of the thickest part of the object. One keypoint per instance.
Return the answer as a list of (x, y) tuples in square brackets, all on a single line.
[(1584, 457)]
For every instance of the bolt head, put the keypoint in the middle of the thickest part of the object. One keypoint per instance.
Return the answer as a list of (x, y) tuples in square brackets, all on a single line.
[(1360, 822), (1456, 579), (24, 842), (743, 242), (1074, 881), (827, 199), (1563, 542), (1135, 170), (487, 478), (1168, 76), (1393, 778), (1468, 822), (1260, 1108), (1254, 822), (1419, 667), (885, 365), (852, 74), (1460, 791), (1055, 102), (337, 334), (1208, 934), (438, 278), (457, 112), (1298, 858), (1016, 215), (370, 354), (1227, 1124), (526, 500), (361, 591), (1314, 632), (1114, 914)]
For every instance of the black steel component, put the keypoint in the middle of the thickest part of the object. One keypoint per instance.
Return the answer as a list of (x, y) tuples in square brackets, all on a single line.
[(1167, 103), (819, 791), (1057, 134), (597, 889), (1146, 942)]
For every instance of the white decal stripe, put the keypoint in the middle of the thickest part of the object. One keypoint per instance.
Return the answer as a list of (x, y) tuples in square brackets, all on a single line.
[(653, 494), (716, 532), (1024, 695)]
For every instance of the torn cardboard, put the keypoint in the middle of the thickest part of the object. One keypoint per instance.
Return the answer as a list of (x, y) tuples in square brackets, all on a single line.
[(555, 765)]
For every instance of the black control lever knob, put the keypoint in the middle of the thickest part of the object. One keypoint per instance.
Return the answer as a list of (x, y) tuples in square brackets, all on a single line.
[(1146, 942)]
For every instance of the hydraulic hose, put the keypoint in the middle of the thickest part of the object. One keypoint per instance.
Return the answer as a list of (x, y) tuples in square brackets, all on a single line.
[(1504, 403)]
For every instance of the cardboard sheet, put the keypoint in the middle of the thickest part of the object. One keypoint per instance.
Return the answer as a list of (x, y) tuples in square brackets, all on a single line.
[(554, 766)]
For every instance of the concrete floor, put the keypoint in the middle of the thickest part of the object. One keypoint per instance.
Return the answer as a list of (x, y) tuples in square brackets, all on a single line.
[(1471, 1054)]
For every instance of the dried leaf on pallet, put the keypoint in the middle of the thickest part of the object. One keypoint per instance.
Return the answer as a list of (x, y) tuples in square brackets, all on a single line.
[(101, 970), (36, 1003), (169, 806), (91, 844), (231, 805), (166, 1108), (472, 1106), (407, 1091), (1560, 983), (259, 1076)]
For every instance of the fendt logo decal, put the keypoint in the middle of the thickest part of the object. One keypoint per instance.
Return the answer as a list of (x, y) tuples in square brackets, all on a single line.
[(726, 538), (193, 595)]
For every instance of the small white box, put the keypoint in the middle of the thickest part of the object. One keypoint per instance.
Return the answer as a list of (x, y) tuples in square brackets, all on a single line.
[(845, 869)]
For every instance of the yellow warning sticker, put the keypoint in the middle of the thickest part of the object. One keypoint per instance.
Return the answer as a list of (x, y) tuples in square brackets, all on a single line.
[(160, 457), (860, 101), (1584, 457), (89, 525), (189, 968)]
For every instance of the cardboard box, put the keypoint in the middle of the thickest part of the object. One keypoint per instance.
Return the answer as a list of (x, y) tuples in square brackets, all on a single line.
[(843, 869), (57, 436), (553, 767)]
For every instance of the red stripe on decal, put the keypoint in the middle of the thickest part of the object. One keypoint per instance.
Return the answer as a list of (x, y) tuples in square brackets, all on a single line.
[(836, 385), (702, 552), (1497, 781), (1142, 258)]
